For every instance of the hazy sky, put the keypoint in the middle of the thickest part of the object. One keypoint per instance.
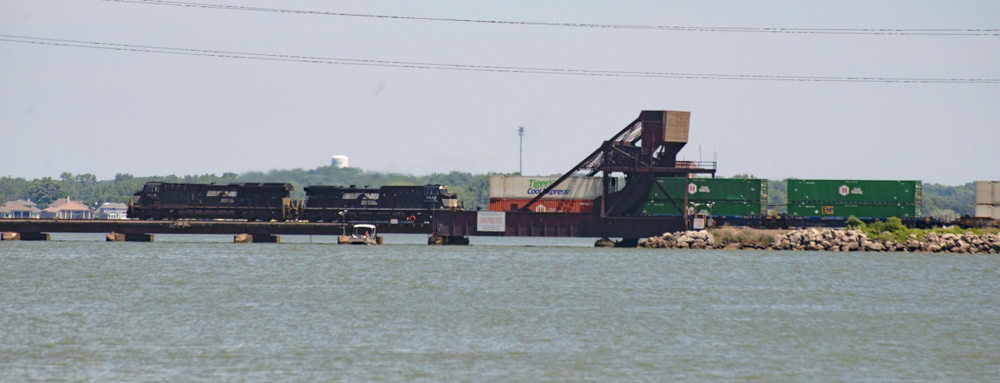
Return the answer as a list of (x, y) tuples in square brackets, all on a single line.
[(104, 111)]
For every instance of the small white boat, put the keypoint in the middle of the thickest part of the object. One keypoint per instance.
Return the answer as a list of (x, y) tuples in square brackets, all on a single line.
[(364, 234)]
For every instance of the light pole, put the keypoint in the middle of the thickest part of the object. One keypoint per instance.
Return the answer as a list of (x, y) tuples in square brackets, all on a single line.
[(343, 219), (520, 167), (709, 222)]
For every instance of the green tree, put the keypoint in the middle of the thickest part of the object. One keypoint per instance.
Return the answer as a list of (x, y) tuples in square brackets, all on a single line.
[(948, 202), (70, 188), (86, 180), (777, 195), (13, 189), (45, 191), (853, 223)]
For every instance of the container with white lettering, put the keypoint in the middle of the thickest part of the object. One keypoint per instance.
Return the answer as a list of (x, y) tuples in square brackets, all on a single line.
[(854, 191), (573, 188)]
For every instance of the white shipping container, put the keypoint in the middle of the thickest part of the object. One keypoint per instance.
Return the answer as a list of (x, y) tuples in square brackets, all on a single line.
[(984, 192), (996, 193), (988, 211), (988, 192), (984, 211), (579, 188)]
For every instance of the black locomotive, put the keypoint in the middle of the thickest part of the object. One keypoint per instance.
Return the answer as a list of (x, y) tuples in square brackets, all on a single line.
[(272, 201), (249, 201), (401, 203)]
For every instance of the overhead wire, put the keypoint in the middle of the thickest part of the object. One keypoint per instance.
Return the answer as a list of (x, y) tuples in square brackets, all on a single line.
[(472, 68), (823, 31), (463, 67)]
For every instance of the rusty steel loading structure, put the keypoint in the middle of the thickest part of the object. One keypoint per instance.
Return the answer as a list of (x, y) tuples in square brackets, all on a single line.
[(644, 150)]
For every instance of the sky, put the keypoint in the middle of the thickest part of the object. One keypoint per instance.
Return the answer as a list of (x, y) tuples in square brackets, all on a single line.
[(102, 111)]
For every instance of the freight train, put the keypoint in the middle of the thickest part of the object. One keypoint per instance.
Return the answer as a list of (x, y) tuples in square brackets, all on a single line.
[(739, 202), (272, 201), (822, 203), (806, 198), (730, 197)]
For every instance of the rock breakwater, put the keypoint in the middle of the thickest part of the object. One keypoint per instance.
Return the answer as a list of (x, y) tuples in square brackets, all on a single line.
[(824, 240)]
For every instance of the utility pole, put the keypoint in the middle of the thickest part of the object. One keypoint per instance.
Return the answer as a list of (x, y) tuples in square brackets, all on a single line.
[(520, 133)]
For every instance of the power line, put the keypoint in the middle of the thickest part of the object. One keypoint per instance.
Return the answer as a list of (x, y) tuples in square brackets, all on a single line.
[(820, 31), (471, 68)]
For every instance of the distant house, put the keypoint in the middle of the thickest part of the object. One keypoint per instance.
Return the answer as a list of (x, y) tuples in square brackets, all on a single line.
[(68, 209), (112, 210), (20, 209), (59, 202)]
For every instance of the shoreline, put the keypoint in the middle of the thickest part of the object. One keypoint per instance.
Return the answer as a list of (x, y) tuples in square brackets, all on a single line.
[(836, 240)]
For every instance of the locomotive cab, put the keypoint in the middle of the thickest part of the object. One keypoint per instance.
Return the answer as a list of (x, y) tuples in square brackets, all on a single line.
[(449, 201)]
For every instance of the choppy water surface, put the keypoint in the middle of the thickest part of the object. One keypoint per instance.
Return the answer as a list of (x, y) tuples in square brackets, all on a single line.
[(201, 308)]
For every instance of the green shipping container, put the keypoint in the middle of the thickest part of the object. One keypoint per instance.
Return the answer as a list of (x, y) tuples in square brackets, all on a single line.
[(857, 210), (738, 208), (853, 191), (710, 189)]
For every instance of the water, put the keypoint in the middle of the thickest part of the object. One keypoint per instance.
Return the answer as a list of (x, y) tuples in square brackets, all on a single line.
[(200, 308)]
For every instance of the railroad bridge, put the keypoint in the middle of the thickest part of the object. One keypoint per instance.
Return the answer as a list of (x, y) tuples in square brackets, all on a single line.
[(143, 231), (446, 228)]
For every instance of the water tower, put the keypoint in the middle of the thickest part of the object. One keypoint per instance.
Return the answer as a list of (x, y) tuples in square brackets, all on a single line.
[(340, 161)]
